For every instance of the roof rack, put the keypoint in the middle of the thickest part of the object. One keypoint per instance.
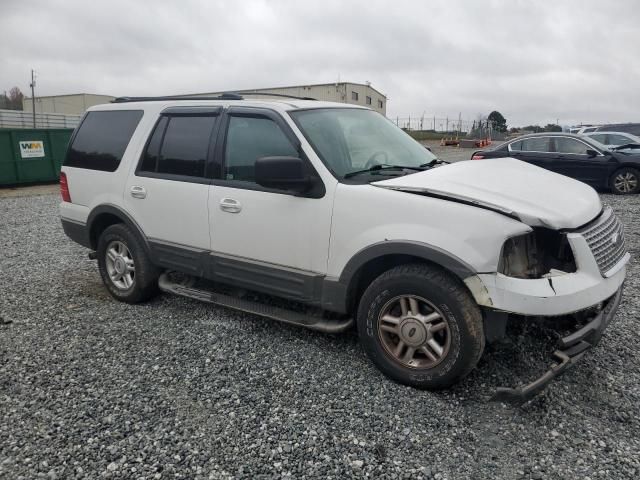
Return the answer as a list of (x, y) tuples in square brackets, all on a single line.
[(282, 95), (223, 96)]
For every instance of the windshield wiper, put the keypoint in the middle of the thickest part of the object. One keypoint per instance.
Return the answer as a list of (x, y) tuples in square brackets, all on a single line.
[(626, 146), (377, 168), (433, 162)]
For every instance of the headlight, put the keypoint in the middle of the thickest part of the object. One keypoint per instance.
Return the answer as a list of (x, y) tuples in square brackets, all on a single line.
[(535, 254)]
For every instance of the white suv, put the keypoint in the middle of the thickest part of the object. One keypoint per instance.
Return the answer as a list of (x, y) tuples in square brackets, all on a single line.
[(331, 207)]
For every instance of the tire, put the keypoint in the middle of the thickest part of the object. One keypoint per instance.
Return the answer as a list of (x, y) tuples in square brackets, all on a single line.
[(135, 284), (440, 299), (625, 181)]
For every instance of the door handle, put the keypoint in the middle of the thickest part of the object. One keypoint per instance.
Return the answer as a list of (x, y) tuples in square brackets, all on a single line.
[(138, 192), (230, 205)]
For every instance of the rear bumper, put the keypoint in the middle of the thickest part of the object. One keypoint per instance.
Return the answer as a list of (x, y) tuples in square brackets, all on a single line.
[(76, 231), (570, 349)]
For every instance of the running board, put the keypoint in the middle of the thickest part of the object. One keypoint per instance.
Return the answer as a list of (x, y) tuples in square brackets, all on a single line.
[(291, 317)]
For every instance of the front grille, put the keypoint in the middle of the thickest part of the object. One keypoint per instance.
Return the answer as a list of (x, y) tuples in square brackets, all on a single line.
[(606, 240)]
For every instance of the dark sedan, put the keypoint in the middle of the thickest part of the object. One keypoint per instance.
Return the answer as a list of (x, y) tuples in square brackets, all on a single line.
[(576, 157)]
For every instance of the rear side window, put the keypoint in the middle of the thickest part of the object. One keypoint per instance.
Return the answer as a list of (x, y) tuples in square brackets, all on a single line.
[(102, 139), (250, 138), (179, 145)]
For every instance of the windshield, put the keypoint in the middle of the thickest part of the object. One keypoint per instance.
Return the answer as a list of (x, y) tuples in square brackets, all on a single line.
[(351, 140), (600, 146)]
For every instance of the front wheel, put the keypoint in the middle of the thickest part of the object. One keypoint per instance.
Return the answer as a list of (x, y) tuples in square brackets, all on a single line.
[(420, 326), (625, 181)]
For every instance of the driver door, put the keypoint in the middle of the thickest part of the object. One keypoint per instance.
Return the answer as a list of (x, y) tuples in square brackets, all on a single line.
[(571, 159), (262, 238)]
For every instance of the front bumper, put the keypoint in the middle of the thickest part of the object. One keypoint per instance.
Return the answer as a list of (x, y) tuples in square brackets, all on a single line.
[(557, 295), (570, 349)]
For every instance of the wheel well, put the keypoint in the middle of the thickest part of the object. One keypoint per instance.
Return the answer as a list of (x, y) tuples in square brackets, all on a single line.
[(100, 224), (371, 270)]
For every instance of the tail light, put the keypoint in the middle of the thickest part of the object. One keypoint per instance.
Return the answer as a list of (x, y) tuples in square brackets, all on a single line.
[(477, 157), (64, 188)]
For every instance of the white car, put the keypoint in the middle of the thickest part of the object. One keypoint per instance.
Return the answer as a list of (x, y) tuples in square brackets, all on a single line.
[(614, 139), (339, 212), (584, 130)]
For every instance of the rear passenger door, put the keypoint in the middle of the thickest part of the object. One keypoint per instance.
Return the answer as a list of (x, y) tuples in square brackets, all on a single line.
[(168, 193), (533, 150)]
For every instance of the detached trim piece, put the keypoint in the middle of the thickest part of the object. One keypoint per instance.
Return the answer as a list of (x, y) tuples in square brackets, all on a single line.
[(570, 349)]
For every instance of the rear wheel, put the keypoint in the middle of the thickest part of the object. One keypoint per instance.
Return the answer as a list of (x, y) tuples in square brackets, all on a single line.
[(420, 326), (625, 181), (125, 267)]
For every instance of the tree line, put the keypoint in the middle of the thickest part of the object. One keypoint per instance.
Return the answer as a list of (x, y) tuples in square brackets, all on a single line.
[(499, 124), (12, 101)]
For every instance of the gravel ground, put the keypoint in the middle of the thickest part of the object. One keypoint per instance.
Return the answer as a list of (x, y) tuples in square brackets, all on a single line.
[(450, 154), (92, 388)]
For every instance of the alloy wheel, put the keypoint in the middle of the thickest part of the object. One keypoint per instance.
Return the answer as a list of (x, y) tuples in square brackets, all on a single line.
[(120, 265), (625, 182), (414, 332)]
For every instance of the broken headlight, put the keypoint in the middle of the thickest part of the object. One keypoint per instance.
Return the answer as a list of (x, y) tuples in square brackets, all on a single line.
[(541, 252)]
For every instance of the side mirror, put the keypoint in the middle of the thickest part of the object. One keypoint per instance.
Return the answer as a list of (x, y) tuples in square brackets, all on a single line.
[(282, 173), (592, 153)]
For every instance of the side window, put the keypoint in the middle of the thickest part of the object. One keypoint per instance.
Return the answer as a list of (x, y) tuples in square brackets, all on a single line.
[(602, 138), (535, 144), (619, 140), (179, 145), (515, 146), (102, 139), (250, 138), (152, 153), (570, 145)]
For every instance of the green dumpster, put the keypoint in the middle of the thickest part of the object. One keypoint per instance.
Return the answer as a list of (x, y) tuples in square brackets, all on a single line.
[(32, 155)]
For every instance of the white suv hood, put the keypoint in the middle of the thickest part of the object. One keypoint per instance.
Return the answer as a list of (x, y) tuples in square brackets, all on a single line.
[(536, 196)]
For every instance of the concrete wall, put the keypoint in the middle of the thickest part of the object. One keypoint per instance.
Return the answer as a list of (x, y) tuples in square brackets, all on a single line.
[(75, 104)]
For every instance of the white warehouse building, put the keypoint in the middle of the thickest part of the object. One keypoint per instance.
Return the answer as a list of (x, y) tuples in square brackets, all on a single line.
[(343, 92)]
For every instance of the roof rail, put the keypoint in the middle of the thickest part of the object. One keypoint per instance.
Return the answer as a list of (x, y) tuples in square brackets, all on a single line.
[(223, 96), (282, 95)]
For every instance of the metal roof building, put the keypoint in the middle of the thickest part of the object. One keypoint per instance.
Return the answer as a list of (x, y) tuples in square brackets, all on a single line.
[(343, 92), (74, 104)]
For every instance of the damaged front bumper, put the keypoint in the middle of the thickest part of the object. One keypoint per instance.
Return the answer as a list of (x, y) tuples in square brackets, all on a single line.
[(570, 349)]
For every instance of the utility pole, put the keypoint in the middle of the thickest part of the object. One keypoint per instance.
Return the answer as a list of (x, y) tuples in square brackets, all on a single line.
[(33, 96)]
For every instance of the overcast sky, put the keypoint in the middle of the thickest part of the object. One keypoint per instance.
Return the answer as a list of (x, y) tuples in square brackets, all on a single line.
[(534, 61)]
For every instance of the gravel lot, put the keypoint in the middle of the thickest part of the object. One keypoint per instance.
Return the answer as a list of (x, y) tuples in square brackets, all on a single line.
[(91, 388)]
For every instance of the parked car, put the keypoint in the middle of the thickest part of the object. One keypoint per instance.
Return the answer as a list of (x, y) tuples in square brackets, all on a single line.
[(575, 156), (632, 128), (324, 215), (583, 129), (614, 139)]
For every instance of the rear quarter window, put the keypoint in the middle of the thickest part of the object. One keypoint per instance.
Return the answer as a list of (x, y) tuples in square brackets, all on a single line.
[(102, 139)]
